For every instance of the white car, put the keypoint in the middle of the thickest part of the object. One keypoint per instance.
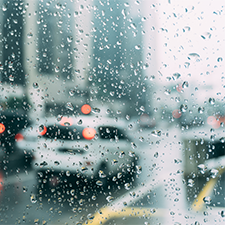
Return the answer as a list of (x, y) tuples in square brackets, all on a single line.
[(65, 149)]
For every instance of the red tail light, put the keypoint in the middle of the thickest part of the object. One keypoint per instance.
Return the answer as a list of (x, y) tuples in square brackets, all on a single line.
[(19, 137), (86, 109), (88, 133), (2, 128)]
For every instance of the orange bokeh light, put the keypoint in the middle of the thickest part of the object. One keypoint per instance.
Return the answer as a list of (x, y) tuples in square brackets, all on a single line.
[(2, 128), (176, 113), (88, 133), (211, 120), (179, 88), (86, 109), (19, 137), (66, 121)]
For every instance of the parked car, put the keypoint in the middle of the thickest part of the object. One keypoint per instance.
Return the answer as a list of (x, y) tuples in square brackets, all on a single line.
[(79, 148)]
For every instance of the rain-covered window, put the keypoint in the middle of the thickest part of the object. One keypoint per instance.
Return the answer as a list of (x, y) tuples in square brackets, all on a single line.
[(112, 112), (55, 37)]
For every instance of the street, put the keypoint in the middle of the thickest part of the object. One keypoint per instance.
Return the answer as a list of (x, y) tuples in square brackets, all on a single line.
[(20, 202)]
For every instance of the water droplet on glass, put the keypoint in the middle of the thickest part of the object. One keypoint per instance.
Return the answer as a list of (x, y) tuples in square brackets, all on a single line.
[(11, 78), (190, 183), (193, 56), (176, 76), (207, 199), (201, 110), (121, 154), (167, 92), (13, 55), (57, 69), (71, 92), (4, 7), (67, 173), (114, 162), (185, 84), (156, 155), (183, 108), (127, 186), (141, 139), (212, 101), (222, 139), (139, 169), (212, 137), (133, 145), (35, 85), (206, 35), (80, 122), (202, 168), (223, 213), (44, 163), (186, 64), (124, 13), (1, 67), (84, 168), (96, 110), (59, 117), (142, 108), (99, 183), (133, 194), (69, 39), (219, 59), (69, 106), (127, 117), (81, 202), (41, 128), (90, 216), (25, 189), (137, 2), (33, 199), (156, 133), (137, 47), (131, 154), (186, 28), (119, 175), (109, 198), (101, 174), (214, 173), (56, 163), (36, 221), (72, 192), (29, 35), (58, 6)]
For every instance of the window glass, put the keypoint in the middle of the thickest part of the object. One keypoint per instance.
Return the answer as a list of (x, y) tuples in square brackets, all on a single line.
[(55, 38), (61, 132), (111, 133), (112, 112)]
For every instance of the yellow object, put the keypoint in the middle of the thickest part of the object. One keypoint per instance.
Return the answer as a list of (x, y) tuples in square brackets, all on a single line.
[(199, 203)]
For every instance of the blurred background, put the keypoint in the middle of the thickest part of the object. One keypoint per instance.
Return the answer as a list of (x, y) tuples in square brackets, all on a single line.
[(157, 66)]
